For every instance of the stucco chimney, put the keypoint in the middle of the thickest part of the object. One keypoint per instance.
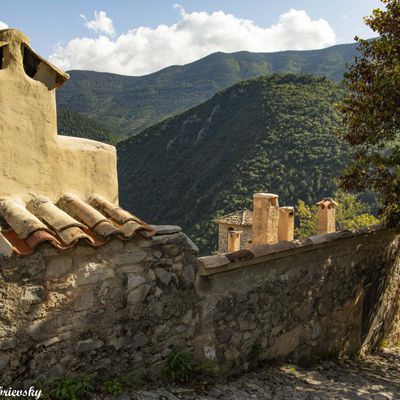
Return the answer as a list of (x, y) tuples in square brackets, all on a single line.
[(265, 218), (234, 240), (326, 216), (286, 223)]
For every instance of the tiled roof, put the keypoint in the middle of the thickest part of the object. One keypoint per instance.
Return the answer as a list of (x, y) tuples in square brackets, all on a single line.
[(239, 218), (64, 224)]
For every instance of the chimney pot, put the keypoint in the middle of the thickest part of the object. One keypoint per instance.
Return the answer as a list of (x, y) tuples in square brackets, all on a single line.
[(265, 218), (286, 223), (326, 215)]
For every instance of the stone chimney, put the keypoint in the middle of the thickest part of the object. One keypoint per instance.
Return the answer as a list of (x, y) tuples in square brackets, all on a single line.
[(326, 216), (265, 218), (286, 223), (34, 158), (234, 240)]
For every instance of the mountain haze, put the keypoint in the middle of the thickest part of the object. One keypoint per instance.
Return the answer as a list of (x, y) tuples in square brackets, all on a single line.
[(273, 134), (129, 104)]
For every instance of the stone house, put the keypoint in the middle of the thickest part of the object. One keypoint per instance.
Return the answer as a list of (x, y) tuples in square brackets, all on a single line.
[(230, 224)]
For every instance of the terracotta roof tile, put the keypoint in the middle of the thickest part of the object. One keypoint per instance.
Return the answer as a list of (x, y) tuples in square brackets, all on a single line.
[(20, 219), (238, 218), (64, 224)]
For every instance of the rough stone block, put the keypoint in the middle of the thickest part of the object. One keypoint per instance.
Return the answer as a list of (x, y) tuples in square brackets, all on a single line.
[(8, 343), (88, 345), (163, 275), (91, 273), (4, 361), (37, 329), (120, 342), (132, 269), (135, 281), (139, 340), (85, 300), (34, 294), (172, 250), (131, 257), (189, 273), (59, 266), (136, 296)]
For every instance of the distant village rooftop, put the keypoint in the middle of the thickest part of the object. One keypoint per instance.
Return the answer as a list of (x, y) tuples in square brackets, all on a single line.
[(239, 218)]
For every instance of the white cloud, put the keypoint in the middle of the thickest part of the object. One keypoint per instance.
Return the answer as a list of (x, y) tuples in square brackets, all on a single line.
[(3, 25), (144, 50), (100, 24)]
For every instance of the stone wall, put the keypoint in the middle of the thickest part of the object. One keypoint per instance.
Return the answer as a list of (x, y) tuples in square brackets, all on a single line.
[(121, 309), (111, 311), (331, 299)]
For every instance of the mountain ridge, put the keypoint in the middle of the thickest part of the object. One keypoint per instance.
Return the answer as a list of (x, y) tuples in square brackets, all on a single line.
[(129, 104)]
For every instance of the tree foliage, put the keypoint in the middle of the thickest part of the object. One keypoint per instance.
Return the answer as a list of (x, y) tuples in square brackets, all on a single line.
[(351, 213), (71, 123), (270, 134), (371, 112)]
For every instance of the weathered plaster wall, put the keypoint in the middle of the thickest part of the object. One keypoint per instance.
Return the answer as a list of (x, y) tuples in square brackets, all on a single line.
[(34, 160), (122, 309)]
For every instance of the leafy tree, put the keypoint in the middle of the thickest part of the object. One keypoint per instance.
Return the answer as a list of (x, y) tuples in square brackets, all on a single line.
[(306, 217), (350, 214), (371, 112)]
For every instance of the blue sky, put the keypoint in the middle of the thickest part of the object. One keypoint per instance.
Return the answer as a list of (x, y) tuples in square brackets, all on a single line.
[(58, 30)]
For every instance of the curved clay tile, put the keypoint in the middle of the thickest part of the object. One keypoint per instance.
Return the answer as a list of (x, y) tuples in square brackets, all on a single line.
[(18, 245), (130, 228), (105, 230), (126, 222), (116, 213), (96, 242), (40, 237), (72, 235), (80, 210), (20, 219), (52, 215), (68, 229)]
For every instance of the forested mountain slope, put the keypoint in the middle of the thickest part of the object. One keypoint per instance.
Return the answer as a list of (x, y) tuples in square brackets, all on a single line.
[(128, 104), (71, 123), (273, 134)]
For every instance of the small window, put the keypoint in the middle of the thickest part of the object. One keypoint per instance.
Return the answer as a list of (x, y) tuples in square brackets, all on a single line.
[(31, 62)]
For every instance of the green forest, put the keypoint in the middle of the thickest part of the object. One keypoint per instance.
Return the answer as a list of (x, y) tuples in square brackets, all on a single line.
[(74, 124), (274, 134)]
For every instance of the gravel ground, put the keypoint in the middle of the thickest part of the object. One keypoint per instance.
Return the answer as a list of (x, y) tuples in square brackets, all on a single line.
[(375, 377)]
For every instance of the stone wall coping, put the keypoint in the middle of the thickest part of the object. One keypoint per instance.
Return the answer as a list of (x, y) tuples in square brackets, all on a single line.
[(166, 229), (220, 263)]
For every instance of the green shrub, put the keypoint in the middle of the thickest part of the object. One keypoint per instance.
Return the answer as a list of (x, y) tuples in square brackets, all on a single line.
[(68, 388), (113, 387), (180, 367)]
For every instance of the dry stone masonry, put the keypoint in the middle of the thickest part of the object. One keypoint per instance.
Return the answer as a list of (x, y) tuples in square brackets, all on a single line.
[(123, 308)]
